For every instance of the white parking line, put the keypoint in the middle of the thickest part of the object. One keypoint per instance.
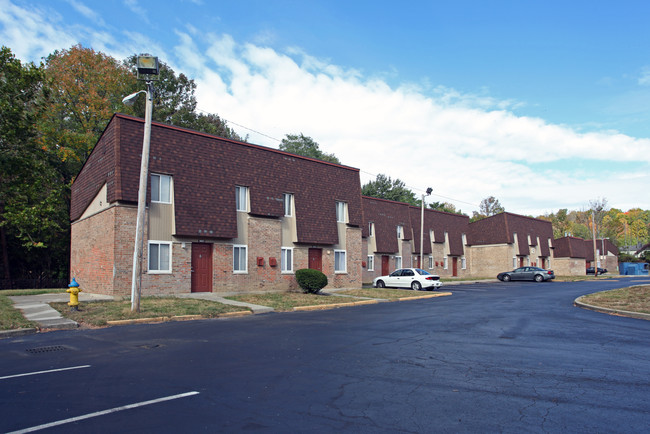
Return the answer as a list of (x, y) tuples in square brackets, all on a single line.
[(104, 412), (44, 372)]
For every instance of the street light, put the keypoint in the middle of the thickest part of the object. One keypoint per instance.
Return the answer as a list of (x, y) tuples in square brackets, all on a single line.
[(429, 190), (147, 66)]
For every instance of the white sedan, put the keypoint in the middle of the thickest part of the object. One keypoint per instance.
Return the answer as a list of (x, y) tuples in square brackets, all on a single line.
[(413, 278)]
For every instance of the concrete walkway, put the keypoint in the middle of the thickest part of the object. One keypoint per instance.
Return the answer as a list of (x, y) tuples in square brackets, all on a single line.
[(36, 308)]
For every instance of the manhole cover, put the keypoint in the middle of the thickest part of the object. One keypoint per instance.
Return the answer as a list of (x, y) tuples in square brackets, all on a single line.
[(49, 349)]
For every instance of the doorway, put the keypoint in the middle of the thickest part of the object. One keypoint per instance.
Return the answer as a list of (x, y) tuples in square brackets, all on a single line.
[(316, 259), (201, 267)]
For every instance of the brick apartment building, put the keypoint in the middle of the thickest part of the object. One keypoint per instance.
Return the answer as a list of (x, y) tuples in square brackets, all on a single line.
[(222, 215)]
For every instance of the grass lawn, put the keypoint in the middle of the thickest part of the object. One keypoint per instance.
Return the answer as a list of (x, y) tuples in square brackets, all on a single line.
[(632, 299), (10, 317), (98, 313), (385, 293)]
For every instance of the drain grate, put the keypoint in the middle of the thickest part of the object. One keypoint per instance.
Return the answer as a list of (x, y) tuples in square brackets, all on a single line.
[(49, 349)]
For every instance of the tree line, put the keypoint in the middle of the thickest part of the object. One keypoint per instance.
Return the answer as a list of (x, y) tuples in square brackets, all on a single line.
[(52, 114)]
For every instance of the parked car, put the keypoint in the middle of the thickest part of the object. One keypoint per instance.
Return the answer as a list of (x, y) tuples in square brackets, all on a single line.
[(413, 278), (527, 273), (590, 270)]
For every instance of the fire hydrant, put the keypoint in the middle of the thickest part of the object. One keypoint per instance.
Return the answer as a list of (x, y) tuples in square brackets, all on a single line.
[(74, 290)]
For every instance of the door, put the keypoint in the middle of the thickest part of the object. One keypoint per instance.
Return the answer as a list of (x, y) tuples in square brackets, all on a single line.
[(385, 265), (454, 266), (316, 259), (201, 267)]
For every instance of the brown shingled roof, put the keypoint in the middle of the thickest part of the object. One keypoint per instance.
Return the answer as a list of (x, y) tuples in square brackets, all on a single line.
[(499, 228), (205, 170)]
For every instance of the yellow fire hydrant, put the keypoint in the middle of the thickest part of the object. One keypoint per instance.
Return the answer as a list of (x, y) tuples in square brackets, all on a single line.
[(74, 290)]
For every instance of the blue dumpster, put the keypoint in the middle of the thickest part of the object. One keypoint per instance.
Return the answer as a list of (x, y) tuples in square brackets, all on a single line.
[(633, 268)]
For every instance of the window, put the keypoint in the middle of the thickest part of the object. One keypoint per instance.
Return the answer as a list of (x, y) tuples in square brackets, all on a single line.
[(340, 212), (288, 204), (340, 263), (161, 188), (446, 263), (286, 261), (371, 229), (160, 257), (463, 263), (240, 259), (242, 198), (398, 262), (400, 231), (430, 262), (514, 262), (371, 263)]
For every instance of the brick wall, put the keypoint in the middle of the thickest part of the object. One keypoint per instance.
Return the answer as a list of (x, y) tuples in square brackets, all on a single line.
[(568, 266), (488, 261)]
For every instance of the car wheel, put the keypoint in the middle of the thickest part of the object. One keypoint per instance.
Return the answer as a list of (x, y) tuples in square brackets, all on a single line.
[(381, 284), (416, 286), (506, 278), (539, 278)]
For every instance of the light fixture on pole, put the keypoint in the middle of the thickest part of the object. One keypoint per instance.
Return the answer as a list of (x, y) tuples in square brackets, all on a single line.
[(429, 190), (147, 67)]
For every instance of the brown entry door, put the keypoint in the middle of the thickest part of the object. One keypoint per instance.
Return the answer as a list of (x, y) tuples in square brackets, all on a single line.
[(454, 266), (201, 267), (385, 265), (316, 259)]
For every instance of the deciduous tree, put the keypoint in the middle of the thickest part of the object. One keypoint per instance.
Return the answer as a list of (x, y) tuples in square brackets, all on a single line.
[(306, 146)]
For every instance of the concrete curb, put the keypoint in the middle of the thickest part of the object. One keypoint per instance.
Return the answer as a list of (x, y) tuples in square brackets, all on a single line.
[(175, 318), (14, 333), (334, 305), (579, 303), (420, 297)]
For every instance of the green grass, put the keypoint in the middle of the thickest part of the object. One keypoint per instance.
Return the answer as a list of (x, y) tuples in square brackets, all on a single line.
[(12, 318), (632, 299), (98, 313), (286, 301), (383, 293)]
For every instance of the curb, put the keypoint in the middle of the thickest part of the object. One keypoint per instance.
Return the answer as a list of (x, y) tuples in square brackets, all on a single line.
[(637, 315), (175, 318), (420, 297), (333, 305), (13, 333)]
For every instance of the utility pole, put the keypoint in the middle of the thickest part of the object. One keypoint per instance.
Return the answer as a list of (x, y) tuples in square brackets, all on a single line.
[(593, 236)]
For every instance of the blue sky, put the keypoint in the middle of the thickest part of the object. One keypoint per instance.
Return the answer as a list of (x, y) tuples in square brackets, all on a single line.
[(544, 105)]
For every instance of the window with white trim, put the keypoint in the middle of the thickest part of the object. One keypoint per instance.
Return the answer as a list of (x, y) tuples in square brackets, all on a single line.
[(430, 262), (341, 214), (446, 263), (241, 194), (161, 188), (371, 229), (340, 262), (398, 262), (160, 256), (400, 232), (288, 204), (371, 262), (240, 259), (286, 260), (514, 262), (463, 263)]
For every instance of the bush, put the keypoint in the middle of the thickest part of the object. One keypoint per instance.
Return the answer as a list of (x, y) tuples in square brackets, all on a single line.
[(311, 281)]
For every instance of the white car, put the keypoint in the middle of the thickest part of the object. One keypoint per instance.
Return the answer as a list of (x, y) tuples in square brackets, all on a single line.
[(413, 278)]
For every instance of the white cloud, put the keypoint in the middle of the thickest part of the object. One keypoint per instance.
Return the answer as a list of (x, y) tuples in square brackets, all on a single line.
[(644, 79)]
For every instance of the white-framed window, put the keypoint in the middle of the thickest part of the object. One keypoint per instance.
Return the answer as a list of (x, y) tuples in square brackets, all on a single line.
[(340, 262), (371, 229), (288, 204), (161, 188), (371, 262), (341, 212), (430, 262), (400, 232), (160, 257), (241, 194), (463, 263), (514, 262), (240, 259), (398, 262), (445, 265), (528, 261), (286, 260)]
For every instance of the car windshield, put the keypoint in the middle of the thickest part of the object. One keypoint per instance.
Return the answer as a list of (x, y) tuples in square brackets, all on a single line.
[(422, 272)]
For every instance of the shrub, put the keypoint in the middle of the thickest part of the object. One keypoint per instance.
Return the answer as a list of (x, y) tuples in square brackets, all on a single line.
[(311, 281)]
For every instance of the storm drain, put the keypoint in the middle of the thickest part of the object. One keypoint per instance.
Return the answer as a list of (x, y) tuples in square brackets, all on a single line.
[(48, 349)]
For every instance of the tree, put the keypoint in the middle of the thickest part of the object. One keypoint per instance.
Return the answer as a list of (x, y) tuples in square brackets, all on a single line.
[(488, 207), (383, 187), (33, 211), (306, 146), (174, 102), (446, 207), (86, 87)]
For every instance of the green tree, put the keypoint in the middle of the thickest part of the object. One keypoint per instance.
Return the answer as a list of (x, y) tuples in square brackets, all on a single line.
[(33, 210), (175, 103), (383, 187), (446, 207), (306, 146), (488, 207)]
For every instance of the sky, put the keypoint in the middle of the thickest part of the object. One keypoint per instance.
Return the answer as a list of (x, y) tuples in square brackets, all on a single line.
[(543, 105)]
